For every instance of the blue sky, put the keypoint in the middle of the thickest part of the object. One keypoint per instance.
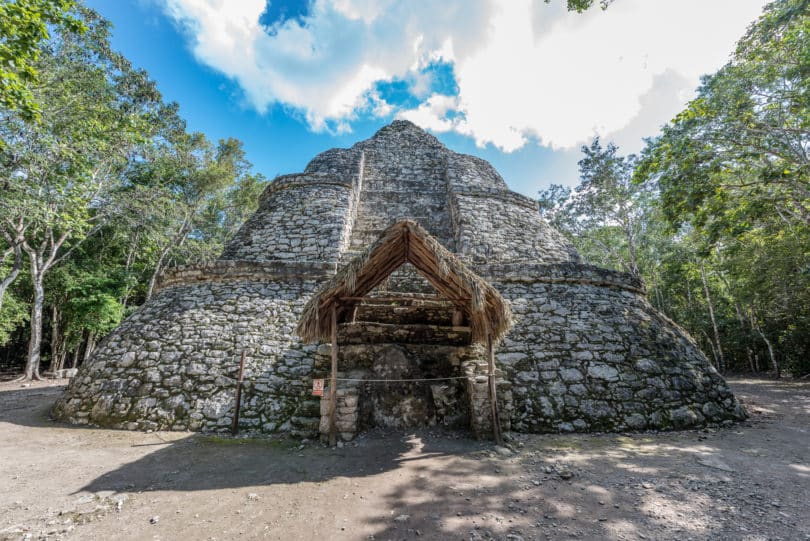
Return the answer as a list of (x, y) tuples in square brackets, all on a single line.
[(520, 83)]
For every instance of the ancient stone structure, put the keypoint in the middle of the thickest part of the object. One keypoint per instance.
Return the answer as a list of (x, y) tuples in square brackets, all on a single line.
[(586, 350)]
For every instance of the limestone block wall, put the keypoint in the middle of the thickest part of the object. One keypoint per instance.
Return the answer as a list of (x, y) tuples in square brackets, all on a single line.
[(591, 357), (300, 218), (338, 163), (465, 171), (173, 363), (501, 226)]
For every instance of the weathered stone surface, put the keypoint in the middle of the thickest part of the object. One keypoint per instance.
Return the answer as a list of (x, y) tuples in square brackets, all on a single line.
[(586, 352)]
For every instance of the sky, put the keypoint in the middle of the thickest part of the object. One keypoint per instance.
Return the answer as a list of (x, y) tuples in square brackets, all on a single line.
[(521, 83)]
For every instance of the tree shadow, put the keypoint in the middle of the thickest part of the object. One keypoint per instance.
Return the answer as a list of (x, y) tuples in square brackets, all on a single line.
[(211, 462), (29, 405), (740, 482), (673, 486)]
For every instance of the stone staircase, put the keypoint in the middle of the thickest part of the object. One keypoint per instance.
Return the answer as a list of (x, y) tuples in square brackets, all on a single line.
[(408, 337), (410, 187)]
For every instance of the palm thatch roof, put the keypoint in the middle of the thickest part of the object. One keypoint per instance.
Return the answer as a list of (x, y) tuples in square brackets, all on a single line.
[(406, 241)]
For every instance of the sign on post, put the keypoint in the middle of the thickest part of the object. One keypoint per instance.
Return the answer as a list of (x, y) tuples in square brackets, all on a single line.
[(317, 387)]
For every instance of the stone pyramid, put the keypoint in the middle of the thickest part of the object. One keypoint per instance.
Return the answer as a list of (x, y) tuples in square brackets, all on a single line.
[(586, 352)]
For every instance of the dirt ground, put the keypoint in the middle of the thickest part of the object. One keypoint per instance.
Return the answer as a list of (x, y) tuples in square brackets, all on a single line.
[(750, 481)]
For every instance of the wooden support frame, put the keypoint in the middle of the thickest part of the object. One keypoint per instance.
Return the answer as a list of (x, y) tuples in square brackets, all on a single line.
[(493, 398), (333, 381), (407, 242), (477, 302), (403, 298)]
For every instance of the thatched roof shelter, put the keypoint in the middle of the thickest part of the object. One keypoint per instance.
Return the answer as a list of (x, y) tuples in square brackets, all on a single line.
[(407, 242)]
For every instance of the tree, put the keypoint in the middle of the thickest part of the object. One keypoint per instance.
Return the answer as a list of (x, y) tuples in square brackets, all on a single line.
[(13, 313), (61, 172), (740, 149), (734, 169), (24, 30), (604, 211), (99, 194), (195, 194), (12, 252), (581, 6)]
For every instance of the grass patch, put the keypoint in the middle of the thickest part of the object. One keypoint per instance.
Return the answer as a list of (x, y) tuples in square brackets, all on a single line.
[(274, 443)]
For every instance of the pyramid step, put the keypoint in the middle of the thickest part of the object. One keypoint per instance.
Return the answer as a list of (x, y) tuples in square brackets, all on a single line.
[(404, 312), (365, 332)]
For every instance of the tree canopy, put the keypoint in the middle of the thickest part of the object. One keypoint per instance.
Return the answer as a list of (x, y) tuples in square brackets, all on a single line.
[(581, 6), (103, 187), (25, 27), (718, 206), (101, 192)]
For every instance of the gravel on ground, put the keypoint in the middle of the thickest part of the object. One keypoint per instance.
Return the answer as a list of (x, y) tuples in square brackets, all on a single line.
[(748, 481)]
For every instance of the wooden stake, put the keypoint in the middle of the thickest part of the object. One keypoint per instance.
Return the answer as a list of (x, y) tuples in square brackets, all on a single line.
[(333, 381), (493, 399), (239, 379)]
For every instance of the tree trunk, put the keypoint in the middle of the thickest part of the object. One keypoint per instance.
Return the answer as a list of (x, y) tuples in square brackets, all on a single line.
[(631, 248), (178, 238), (74, 361), (711, 345), (35, 343), (130, 258), (774, 364), (41, 258), (56, 340), (156, 272), (15, 271), (720, 360), (743, 326), (689, 302), (91, 346)]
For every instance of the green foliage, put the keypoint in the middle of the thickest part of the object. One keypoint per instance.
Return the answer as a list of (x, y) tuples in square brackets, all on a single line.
[(87, 293), (24, 29), (93, 309), (581, 6), (95, 108), (719, 206), (188, 196), (740, 149), (602, 214), (13, 314), (105, 190)]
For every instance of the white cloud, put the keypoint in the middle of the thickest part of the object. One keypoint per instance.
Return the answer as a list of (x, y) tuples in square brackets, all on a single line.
[(525, 69), (433, 113)]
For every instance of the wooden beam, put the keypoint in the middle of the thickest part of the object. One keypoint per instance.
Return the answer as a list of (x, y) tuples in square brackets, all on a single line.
[(493, 399), (333, 381), (406, 233), (373, 279), (422, 258), (402, 298)]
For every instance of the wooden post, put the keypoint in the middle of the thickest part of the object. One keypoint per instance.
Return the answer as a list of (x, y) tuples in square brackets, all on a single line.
[(333, 381), (493, 399), (240, 378)]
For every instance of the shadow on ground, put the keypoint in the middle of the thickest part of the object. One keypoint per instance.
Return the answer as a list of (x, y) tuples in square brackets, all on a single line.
[(750, 481), (29, 404)]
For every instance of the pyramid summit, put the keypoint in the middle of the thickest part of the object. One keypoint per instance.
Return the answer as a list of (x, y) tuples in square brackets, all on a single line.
[(584, 350)]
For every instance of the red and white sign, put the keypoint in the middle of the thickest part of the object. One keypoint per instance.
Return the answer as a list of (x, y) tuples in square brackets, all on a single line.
[(317, 387)]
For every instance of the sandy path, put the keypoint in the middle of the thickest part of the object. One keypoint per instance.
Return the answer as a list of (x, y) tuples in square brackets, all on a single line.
[(748, 481)]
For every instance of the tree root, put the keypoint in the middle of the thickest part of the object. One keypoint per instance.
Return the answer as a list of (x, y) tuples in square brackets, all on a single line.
[(24, 378)]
